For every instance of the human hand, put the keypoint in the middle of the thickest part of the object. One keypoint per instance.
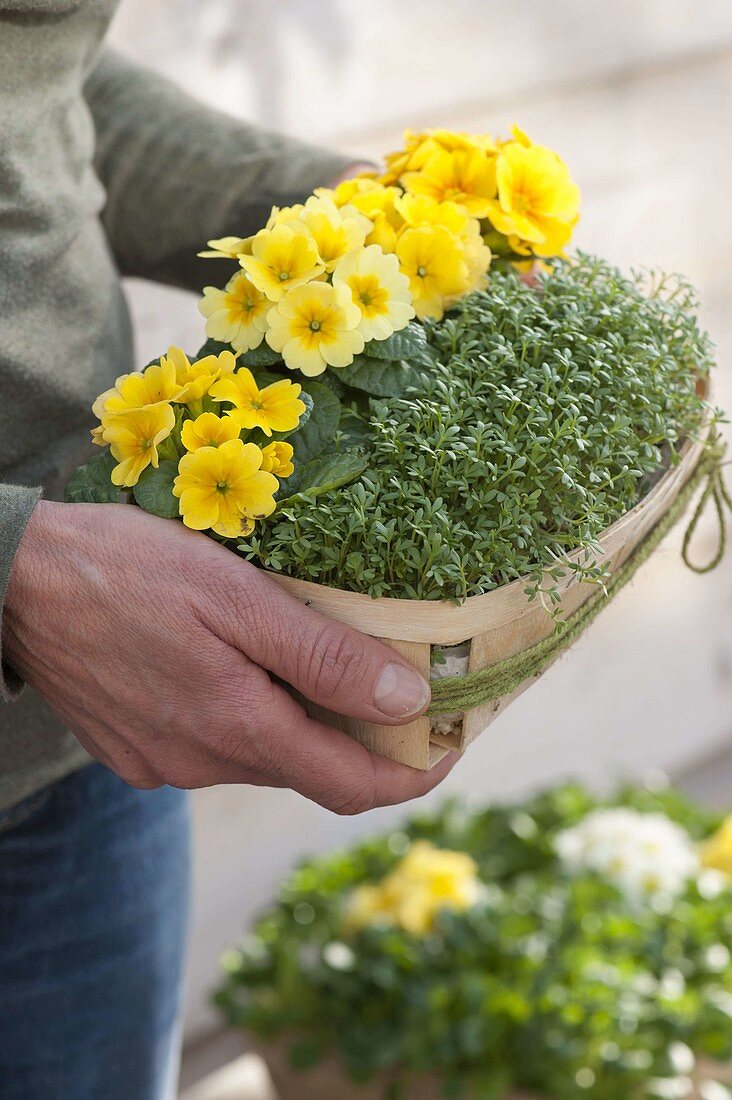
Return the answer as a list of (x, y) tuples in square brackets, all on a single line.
[(154, 644)]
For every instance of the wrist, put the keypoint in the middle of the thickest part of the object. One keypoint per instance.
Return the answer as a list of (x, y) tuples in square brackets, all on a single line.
[(28, 574)]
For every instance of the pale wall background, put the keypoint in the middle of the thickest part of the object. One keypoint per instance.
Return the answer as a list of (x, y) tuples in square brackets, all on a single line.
[(637, 95)]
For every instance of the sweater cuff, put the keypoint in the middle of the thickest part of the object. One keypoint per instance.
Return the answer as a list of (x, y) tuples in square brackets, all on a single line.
[(16, 505)]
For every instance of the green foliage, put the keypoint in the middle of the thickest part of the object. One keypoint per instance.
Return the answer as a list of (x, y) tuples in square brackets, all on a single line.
[(314, 435), (91, 483), (540, 419), (544, 978), (154, 490), (321, 475), (379, 377), (408, 343)]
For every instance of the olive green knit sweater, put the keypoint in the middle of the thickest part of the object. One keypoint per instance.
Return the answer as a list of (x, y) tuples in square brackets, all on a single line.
[(104, 169)]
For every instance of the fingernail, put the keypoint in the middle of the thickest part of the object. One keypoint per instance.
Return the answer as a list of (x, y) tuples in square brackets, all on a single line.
[(400, 691)]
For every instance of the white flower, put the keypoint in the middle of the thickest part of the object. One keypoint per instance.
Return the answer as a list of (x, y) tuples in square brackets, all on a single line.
[(648, 857)]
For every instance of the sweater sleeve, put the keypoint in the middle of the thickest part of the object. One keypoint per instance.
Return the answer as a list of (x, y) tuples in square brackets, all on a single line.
[(178, 174), (16, 506)]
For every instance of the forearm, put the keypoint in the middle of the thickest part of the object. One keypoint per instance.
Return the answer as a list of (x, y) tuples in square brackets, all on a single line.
[(16, 507), (178, 174)]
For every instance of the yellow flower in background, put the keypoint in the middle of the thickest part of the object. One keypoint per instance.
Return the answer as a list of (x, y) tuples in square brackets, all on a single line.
[(195, 379), (277, 459), (426, 881), (464, 176), (226, 248), (379, 289), (224, 489), (715, 853), (236, 315), (282, 258), (314, 327), (276, 408), (209, 430), (537, 202), (134, 438), (138, 390), (433, 261)]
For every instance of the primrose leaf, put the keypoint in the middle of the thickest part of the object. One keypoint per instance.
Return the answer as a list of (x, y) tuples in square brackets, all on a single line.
[(328, 471), (379, 377), (92, 483), (316, 433), (154, 490), (408, 343)]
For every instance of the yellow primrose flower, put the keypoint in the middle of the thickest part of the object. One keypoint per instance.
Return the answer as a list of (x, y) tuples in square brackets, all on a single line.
[(227, 248), (466, 176), (236, 315), (140, 389), (280, 215), (209, 430), (419, 147), (277, 459), (373, 201), (224, 488), (417, 210), (477, 255), (335, 232), (315, 327), (195, 379), (379, 289), (537, 200), (433, 261), (276, 408), (426, 881), (282, 258), (716, 852), (134, 437)]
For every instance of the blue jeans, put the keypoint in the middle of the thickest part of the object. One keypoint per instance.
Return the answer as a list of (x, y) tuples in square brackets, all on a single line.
[(93, 914)]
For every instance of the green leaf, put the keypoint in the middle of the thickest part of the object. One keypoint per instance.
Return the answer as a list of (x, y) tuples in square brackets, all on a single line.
[(329, 471), (408, 343), (154, 490), (92, 483), (263, 356), (211, 347), (314, 435), (379, 377)]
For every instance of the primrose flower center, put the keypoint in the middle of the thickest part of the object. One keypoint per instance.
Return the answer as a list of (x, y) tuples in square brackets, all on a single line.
[(284, 276), (315, 326), (421, 271), (222, 486)]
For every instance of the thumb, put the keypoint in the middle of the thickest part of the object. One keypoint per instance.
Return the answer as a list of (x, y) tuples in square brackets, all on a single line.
[(329, 663)]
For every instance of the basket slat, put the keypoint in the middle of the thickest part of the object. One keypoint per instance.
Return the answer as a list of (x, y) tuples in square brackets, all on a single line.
[(408, 744)]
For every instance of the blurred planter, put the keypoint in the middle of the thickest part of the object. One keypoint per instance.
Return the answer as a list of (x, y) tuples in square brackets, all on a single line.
[(326, 1081)]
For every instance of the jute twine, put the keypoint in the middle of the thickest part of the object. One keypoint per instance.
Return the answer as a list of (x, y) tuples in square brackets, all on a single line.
[(462, 693)]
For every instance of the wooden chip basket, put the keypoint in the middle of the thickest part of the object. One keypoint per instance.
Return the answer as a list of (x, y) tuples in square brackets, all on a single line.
[(498, 625)]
